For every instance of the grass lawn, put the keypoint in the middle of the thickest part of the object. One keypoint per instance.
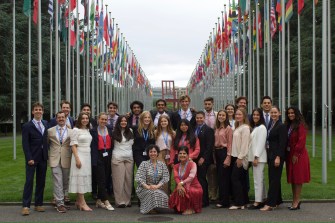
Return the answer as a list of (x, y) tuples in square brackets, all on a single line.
[(12, 175)]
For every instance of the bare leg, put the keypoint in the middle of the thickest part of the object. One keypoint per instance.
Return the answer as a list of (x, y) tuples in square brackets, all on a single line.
[(296, 195)]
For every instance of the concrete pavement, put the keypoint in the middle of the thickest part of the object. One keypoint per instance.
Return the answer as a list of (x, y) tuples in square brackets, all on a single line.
[(309, 212)]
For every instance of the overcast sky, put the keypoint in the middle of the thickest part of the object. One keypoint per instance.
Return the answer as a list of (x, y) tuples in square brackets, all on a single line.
[(167, 36)]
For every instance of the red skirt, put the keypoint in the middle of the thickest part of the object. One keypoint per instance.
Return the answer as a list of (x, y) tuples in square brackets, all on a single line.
[(191, 200)]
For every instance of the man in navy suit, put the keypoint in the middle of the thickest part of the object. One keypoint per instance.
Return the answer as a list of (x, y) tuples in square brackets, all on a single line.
[(35, 148), (65, 106), (205, 135), (184, 113)]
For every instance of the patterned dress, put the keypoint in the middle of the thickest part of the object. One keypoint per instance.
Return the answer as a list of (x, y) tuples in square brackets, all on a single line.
[(146, 174)]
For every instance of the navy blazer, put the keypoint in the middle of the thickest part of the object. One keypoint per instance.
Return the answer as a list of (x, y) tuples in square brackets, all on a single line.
[(140, 144), (53, 122), (277, 139), (95, 144), (34, 144), (206, 139), (175, 119), (153, 114)]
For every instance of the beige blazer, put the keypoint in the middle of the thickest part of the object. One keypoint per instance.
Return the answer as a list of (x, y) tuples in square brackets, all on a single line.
[(59, 152)]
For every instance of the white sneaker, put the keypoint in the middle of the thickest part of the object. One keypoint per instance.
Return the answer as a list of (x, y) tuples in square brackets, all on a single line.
[(108, 206)]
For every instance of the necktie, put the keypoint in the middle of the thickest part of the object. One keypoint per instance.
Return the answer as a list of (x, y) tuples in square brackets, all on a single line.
[(60, 135), (184, 115), (112, 122), (197, 131), (267, 119), (40, 127), (136, 120)]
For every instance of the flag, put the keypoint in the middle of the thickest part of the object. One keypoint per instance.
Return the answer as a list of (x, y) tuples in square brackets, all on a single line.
[(92, 14), (72, 34), (27, 7), (50, 8), (106, 30), (82, 43), (278, 7), (289, 11), (301, 4), (260, 37), (218, 37), (101, 25), (61, 2), (97, 13), (243, 5), (35, 16), (111, 33), (273, 24), (73, 5)]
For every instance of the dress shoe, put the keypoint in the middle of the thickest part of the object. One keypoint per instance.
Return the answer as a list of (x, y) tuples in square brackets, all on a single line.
[(25, 211), (39, 208), (267, 208), (236, 207), (61, 209), (295, 208), (99, 204), (108, 206)]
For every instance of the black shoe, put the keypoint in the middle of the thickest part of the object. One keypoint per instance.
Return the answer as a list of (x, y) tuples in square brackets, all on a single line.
[(221, 206), (121, 206), (255, 207), (295, 208)]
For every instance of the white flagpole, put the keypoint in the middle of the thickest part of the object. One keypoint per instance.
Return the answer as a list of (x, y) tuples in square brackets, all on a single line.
[(244, 72), (249, 61), (257, 59), (269, 91), (299, 65), (288, 66), (57, 85), (51, 82), (265, 46), (69, 76), (283, 73), (39, 54), (14, 84), (78, 61), (330, 111), (324, 92), (313, 87), (88, 98), (29, 67)]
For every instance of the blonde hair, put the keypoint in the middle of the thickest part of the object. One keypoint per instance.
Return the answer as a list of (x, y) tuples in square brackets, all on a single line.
[(151, 127), (245, 117), (168, 127)]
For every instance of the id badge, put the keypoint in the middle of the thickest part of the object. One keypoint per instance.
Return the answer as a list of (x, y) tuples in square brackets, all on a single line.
[(167, 156), (105, 154), (144, 153)]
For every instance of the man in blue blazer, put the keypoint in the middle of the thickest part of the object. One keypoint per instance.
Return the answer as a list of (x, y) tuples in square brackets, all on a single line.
[(35, 148), (65, 107)]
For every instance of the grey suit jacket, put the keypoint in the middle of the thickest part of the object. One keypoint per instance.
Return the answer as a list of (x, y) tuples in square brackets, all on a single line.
[(59, 153)]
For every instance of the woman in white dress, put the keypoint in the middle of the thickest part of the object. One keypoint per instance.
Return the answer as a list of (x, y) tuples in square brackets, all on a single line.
[(80, 171), (150, 177)]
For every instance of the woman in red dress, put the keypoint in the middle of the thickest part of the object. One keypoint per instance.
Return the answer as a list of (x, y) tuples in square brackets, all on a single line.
[(187, 196), (297, 161)]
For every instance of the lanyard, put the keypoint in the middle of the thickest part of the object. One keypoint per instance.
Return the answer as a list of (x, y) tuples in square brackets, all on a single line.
[(104, 136), (145, 134), (166, 138), (154, 170), (289, 132), (183, 140), (182, 172), (59, 135)]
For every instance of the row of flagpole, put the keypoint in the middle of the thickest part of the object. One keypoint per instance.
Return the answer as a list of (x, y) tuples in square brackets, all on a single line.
[(220, 74), (103, 68)]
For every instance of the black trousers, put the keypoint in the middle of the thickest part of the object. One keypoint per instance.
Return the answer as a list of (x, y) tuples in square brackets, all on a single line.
[(224, 176), (274, 193), (103, 172), (40, 168), (201, 174), (239, 184), (139, 157)]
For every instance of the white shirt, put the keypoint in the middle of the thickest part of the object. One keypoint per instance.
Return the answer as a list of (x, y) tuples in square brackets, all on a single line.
[(157, 117), (39, 127), (187, 114)]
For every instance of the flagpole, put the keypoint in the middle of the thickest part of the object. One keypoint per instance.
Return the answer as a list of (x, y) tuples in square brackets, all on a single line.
[(288, 66), (283, 73), (269, 50), (69, 77), (299, 65), (249, 63), (257, 58), (265, 46), (75, 111), (330, 111), (244, 73), (78, 60), (40, 99), (51, 82), (324, 92), (57, 59), (279, 71), (88, 98), (29, 68), (14, 84), (313, 87)]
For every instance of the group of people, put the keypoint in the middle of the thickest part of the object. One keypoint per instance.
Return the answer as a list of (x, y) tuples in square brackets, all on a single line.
[(208, 153)]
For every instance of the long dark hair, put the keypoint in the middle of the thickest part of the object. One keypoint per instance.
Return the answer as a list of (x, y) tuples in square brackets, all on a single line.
[(190, 136), (117, 133), (261, 120), (225, 123), (80, 117), (299, 119)]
